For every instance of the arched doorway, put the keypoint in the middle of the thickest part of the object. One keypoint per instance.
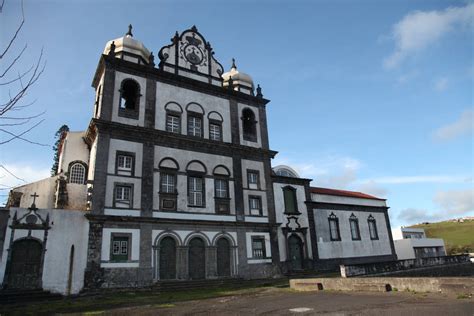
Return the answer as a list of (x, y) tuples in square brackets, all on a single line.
[(223, 257), (167, 258), (25, 264), (295, 249), (197, 259)]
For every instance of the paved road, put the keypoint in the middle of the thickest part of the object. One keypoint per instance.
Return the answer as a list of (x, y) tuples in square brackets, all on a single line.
[(286, 302)]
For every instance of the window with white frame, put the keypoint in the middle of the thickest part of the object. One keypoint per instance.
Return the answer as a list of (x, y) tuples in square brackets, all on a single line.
[(167, 183), (195, 191), (252, 179), (123, 195), (255, 205), (173, 123), (194, 126), (372, 228), (258, 247), (124, 163), (120, 247), (221, 188), (215, 131), (334, 227), (77, 173)]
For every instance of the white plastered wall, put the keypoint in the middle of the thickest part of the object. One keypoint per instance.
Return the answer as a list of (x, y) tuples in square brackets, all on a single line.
[(258, 143), (167, 93), (183, 157), (258, 166), (282, 219), (68, 227), (119, 77), (347, 248), (137, 149)]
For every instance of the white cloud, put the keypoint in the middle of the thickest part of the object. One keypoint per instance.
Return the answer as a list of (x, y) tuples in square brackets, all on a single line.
[(420, 179), (455, 202), (419, 29), (464, 125), (13, 175), (441, 84), (373, 188), (412, 216)]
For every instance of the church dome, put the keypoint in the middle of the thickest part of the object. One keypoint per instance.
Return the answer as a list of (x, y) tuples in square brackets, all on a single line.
[(239, 79), (128, 48)]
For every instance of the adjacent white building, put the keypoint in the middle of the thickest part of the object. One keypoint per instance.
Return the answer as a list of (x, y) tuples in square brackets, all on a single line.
[(411, 243)]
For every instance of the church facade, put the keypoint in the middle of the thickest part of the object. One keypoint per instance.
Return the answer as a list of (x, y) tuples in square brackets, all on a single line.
[(172, 180)]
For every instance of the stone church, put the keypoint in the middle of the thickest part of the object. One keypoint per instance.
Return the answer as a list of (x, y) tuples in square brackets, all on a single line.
[(172, 180)]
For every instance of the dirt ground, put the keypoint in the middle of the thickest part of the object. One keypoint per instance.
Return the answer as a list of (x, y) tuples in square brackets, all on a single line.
[(287, 302)]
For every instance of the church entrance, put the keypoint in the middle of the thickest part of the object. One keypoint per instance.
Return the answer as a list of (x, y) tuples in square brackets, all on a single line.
[(295, 247), (167, 258), (223, 258), (25, 264), (197, 259)]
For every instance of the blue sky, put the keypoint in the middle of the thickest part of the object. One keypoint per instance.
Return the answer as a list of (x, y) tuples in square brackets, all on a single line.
[(374, 96)]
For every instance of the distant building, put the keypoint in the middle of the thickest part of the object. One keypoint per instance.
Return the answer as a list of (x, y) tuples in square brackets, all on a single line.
[(172, 180), (411, 243)]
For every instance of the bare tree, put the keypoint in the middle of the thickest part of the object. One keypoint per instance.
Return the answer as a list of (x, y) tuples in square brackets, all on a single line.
[(15, 120)]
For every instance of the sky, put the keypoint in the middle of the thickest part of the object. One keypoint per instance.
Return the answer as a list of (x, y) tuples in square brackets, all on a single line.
[(373, 96)]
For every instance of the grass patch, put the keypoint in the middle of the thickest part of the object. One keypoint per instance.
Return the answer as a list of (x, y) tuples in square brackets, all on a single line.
[(457, 236), (463, 296), (96, 305)]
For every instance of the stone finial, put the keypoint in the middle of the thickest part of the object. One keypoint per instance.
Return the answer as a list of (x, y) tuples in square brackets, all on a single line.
[(194, 28), (230, 83), (151, 60), (129, 33), (233, 64), (259, 92), (112, 49), (33, 205)]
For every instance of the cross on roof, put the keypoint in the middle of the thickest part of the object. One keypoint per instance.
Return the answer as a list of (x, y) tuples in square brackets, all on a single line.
[(34, 195)]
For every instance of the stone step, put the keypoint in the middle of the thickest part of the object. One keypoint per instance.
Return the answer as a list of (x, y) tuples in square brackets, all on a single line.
[(198, 284), (25, 296)]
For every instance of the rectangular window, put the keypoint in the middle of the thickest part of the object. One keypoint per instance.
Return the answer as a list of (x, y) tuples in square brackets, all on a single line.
[(255, 205), (289, 196), (167, 183), (258, 247), (123, 195), (373, 229), (221, 188), (195, 191), (120, 248), (215, 132), (124, 163), (173, 123), (194, 126), (252, 179), (355, 233), (334, 229)]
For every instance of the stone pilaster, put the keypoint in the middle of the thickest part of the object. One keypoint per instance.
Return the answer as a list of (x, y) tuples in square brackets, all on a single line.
[(211, 262), (182, 263)]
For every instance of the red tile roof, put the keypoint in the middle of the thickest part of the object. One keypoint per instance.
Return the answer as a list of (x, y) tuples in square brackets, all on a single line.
[(353, 194)]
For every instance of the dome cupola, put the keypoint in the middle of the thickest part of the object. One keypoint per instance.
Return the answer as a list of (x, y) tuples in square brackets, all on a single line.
[(129, 49), (240, 81)]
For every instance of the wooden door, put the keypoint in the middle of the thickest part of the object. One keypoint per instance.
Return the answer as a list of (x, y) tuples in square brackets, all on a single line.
[(295, 252), (167, 258), (25, 265), (223, 258), (197, 259)]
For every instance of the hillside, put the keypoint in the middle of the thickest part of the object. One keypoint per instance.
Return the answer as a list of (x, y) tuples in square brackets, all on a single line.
[(458, 237)]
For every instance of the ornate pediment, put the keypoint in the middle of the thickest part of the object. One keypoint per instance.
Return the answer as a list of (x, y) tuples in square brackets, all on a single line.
[(191, 56)]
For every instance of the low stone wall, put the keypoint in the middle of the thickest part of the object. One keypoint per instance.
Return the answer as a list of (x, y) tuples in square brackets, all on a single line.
[(390, 267), (443, 285)]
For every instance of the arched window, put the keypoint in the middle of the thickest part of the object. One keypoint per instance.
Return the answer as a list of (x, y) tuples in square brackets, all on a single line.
[(354, 224), (129, 95), (249, 125), (334, 228), (372, 227), (289, 195), (77, 173)]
